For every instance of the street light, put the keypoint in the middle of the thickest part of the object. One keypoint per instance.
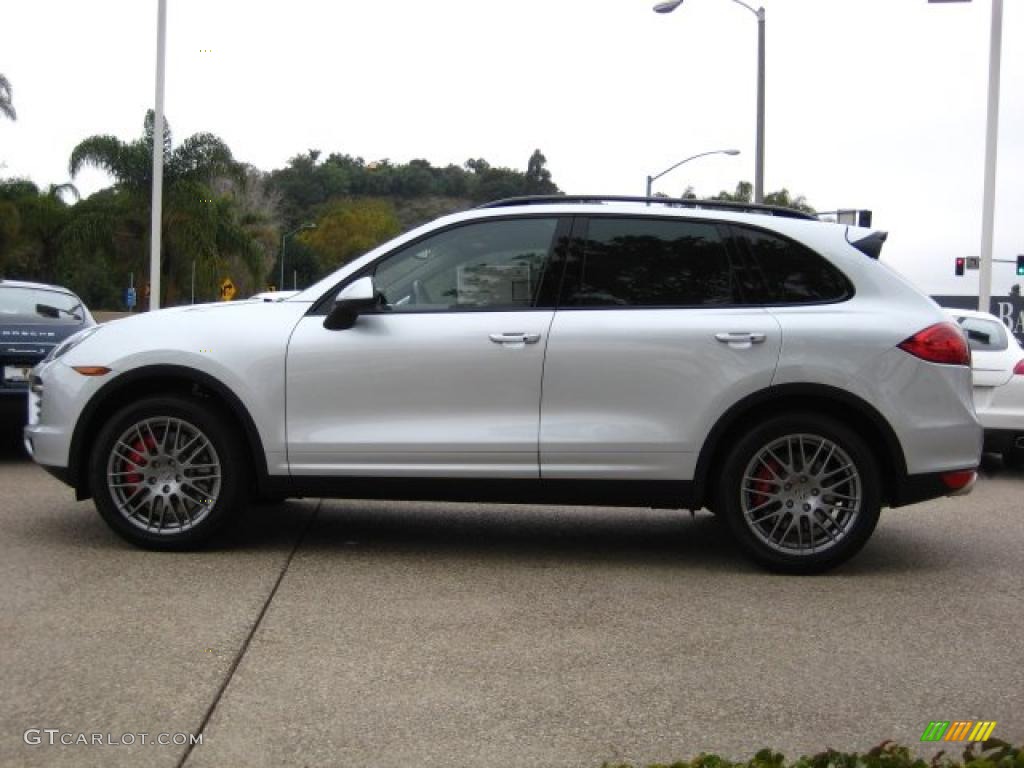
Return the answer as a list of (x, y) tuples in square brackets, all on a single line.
[(284, 237), (668, 7), (652, 179)]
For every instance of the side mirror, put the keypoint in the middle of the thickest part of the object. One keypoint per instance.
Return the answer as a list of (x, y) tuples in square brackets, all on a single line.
[(351, 300)]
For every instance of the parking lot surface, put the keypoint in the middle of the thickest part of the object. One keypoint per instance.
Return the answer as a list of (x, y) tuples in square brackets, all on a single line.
[(358, 633)]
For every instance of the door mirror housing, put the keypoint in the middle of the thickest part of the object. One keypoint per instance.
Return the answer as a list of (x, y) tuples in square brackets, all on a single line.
[(352, 300)]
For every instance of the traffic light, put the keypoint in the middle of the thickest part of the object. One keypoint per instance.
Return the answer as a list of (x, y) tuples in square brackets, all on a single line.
[(961, 262), (1020, 264)]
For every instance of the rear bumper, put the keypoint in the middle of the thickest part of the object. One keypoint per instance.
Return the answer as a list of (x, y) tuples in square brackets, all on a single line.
[(912, 489)]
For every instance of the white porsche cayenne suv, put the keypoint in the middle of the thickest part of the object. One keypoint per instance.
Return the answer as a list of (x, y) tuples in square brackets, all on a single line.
[(576, 350)]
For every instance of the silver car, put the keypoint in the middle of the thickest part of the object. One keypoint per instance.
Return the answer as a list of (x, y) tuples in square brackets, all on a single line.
[(582, 350)]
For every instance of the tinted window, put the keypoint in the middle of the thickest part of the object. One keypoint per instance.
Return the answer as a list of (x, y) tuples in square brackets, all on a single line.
[(485, 265), (646, 262), (789, 273), (984, 335)]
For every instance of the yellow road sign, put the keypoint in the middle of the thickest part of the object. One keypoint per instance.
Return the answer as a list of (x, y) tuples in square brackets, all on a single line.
[(227, 289)]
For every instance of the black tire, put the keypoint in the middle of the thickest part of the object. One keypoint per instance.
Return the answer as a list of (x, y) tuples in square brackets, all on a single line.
[(804, 498), (171, 418)]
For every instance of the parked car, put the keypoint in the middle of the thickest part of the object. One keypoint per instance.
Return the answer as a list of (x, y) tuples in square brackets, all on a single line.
[(34, 318), (998, 373), (581, 350)]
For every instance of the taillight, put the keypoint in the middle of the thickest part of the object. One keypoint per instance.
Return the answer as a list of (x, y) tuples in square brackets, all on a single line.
[(1018, 369), (939, 343)]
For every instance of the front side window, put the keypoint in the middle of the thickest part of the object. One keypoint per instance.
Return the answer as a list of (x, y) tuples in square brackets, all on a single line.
[(484, 265), (984, 335), (787, 272), (648, 262)]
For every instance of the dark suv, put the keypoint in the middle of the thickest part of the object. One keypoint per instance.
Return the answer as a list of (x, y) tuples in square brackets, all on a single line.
[(34, 318)]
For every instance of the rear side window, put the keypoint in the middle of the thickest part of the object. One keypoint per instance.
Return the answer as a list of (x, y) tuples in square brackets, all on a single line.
[(786, 272), (648, 262), (984, 335)]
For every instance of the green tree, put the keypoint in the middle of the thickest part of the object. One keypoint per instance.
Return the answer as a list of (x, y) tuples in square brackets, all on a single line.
[(197, 225), (348, 228), (744, 193), (6, 94), (538, 177)]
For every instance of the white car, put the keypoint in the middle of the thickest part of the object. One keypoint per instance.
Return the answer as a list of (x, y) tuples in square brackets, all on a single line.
[(581, 350), (998, 372)]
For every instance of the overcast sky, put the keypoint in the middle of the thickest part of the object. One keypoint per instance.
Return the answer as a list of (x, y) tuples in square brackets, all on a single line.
[(874, 104)]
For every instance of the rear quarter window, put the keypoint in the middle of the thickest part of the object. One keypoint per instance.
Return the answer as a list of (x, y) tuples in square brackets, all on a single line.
[(783, 271)]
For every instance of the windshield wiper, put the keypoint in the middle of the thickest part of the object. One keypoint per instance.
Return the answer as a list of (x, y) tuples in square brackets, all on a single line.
[(47, 310)]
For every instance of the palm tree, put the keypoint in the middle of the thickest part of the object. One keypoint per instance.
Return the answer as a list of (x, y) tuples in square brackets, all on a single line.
[(196, 225), (6, 107)]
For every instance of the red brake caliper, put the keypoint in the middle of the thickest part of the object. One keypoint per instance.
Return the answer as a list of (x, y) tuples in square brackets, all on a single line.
[(135, 459), (763, 485)]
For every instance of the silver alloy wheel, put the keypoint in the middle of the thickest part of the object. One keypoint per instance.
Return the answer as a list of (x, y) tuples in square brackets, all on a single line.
[(801, 494), (164, 475)]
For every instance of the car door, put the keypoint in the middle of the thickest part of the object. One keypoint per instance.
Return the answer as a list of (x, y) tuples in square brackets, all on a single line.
[(650, 344), (443, 378)]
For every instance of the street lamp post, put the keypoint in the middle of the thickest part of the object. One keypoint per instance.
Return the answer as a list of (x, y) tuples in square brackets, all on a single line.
[(988, 203), (284, 237), (652, 179), (668, 7), (156, 208)]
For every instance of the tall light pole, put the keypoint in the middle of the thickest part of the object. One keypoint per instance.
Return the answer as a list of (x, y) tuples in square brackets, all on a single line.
[(668, 7), (988, 203), (156, 212), (284, 237), (652, 179)]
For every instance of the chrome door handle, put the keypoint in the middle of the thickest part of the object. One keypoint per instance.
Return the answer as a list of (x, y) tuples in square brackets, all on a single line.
[(515, 338), (744, 337)]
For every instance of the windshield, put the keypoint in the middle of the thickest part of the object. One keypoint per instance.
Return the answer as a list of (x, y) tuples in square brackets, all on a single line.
[(38, 304)]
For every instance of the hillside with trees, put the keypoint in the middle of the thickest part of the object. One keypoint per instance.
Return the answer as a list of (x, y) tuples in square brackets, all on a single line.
[(224, 218)]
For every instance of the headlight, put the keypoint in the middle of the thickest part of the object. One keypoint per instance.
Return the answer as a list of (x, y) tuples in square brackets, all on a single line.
[(71, 342)]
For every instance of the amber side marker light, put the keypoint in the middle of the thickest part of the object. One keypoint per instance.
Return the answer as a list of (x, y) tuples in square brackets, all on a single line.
[(91, 370)]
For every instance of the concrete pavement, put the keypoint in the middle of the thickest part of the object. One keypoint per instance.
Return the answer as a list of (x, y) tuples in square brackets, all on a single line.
[(375, 633)]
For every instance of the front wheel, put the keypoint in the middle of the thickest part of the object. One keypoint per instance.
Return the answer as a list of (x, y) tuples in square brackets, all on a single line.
[(801, 493), (167, 472)]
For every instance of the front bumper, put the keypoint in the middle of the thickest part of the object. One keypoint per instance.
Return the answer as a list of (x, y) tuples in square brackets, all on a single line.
[(54, 411)]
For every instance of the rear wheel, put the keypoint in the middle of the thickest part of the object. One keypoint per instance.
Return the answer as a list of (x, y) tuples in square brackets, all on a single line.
[(801, 493), (167, 472)]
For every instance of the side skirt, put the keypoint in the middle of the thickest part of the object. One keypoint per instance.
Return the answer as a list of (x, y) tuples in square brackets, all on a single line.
[(599, 493)]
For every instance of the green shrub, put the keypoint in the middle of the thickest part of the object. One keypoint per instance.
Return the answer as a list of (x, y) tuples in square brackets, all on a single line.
[(991, 754)]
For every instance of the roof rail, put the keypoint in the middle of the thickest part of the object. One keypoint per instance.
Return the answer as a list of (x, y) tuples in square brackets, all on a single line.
[(672, 202)]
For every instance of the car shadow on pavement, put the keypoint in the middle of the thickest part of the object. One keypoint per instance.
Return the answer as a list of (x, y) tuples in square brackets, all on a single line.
[(526, 533)]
